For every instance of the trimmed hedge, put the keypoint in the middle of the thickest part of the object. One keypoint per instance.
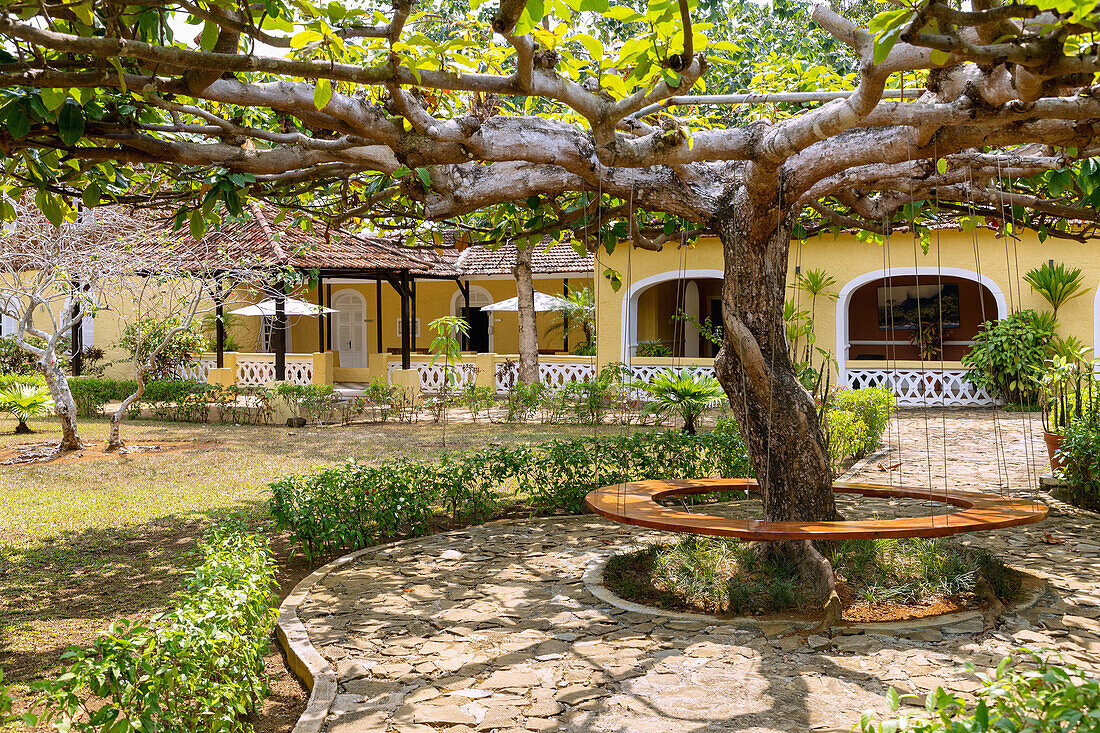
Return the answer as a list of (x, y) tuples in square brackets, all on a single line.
[(356, 505), (198, 667), (92, 393), (855, 422)]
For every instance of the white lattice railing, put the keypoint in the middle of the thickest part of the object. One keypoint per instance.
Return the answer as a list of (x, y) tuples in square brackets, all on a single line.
[(554, 375), (200, 370), (645, 372), (921, 387), (258, 370), (432, 376)]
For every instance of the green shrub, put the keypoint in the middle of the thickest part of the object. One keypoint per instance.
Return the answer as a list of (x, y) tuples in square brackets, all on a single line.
[(1080, 455), (845, 435), (653, 348), (1008, 355), (353, 505), (144, 336), (198, 667), (873, 406), (33, 379), (14, 359), (1039, 696), (25, 401), (92, 393)]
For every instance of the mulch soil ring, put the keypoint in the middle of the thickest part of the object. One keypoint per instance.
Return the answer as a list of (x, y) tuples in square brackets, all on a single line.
[(33, 454)]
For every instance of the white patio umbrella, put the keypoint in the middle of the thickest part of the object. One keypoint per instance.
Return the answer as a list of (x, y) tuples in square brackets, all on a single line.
[(292, 307), (543, 302)]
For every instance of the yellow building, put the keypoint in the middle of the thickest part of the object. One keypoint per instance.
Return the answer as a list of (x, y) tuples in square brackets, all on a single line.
[(868, 326), (379, 291)]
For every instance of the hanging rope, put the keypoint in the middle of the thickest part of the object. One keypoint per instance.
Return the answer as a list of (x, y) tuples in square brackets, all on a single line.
[(985, 319)]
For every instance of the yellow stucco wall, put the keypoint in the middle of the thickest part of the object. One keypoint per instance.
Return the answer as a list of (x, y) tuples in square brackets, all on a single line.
[(847, 259)]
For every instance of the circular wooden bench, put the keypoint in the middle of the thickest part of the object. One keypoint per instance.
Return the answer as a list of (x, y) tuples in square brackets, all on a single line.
[(636, 503)]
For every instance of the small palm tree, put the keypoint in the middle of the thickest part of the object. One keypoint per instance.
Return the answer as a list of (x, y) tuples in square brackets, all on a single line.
[(26, 401), (683, 392), (1056, 283)]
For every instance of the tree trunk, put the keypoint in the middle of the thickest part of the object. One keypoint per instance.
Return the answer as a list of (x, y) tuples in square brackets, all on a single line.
[(64, 403), (777, 416), (114, 438), (528, 333)]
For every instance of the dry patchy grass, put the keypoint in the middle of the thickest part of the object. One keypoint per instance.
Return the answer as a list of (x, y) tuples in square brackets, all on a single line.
[(86, 543)]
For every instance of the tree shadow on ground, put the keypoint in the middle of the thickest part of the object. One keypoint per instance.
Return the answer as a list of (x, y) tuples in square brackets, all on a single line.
[(530, 614), (66, 589)]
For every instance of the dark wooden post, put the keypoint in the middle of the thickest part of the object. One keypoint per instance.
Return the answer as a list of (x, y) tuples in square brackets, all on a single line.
[(465, 290), (219, 330), (76, 336), (320, 314), (564, 316), (328, 317), (406, 341), (411, 283), (378, 312), (279, 334)]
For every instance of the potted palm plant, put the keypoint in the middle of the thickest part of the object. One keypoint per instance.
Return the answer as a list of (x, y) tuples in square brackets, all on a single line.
[(1069, 395)]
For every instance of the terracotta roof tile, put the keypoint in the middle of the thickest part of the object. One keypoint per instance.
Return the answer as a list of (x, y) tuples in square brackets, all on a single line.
[(547, 259), (254, 239)]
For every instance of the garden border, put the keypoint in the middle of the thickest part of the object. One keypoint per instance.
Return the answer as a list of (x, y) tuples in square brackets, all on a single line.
[(303, 659), (1035, 587)]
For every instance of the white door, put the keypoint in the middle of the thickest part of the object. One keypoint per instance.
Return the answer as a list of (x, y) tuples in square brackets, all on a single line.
[(349, 328)]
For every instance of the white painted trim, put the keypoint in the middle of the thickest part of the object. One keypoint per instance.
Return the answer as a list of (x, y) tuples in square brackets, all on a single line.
[(1096, 324), (845, 297), (360, 359), (628, 324), (457, 301)]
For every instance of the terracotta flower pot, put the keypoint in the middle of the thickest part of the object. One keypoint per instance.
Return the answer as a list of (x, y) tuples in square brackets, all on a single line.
[(1054, 442)]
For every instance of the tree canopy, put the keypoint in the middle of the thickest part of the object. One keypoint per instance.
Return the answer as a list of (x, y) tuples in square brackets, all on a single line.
[(433, 111)]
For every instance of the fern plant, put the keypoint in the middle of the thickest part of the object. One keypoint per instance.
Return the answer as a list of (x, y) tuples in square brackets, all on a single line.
[(26, 401), (684, 393)]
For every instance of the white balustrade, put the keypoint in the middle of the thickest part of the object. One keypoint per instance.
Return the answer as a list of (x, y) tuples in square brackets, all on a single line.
[(432, 376), (199, 371), (555, 375), (258, 370), (645, 373), (921, 387)]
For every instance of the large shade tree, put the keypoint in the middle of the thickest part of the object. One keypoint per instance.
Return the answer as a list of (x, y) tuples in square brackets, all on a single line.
[(441, 113)]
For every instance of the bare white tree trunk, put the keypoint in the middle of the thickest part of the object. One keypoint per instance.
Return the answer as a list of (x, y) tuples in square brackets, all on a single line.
[(114, 438), (528, 331), (63, 401)]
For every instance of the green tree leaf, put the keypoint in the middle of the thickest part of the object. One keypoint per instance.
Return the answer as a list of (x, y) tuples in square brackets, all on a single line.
[(18, 124), (70, 123), (322, 93)]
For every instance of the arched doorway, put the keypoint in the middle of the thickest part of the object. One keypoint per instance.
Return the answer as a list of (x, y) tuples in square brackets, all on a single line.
[(480, 338), (887, 319), (349, 332), (651, 306)]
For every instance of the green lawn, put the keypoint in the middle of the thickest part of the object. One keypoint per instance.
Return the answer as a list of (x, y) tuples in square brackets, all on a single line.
[(84, 543)]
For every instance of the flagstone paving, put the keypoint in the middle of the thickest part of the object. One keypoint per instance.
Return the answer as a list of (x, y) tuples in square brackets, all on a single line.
[(492, 629)]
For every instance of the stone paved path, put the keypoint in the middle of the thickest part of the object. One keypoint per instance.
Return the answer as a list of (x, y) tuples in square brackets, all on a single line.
[(491, 628)]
